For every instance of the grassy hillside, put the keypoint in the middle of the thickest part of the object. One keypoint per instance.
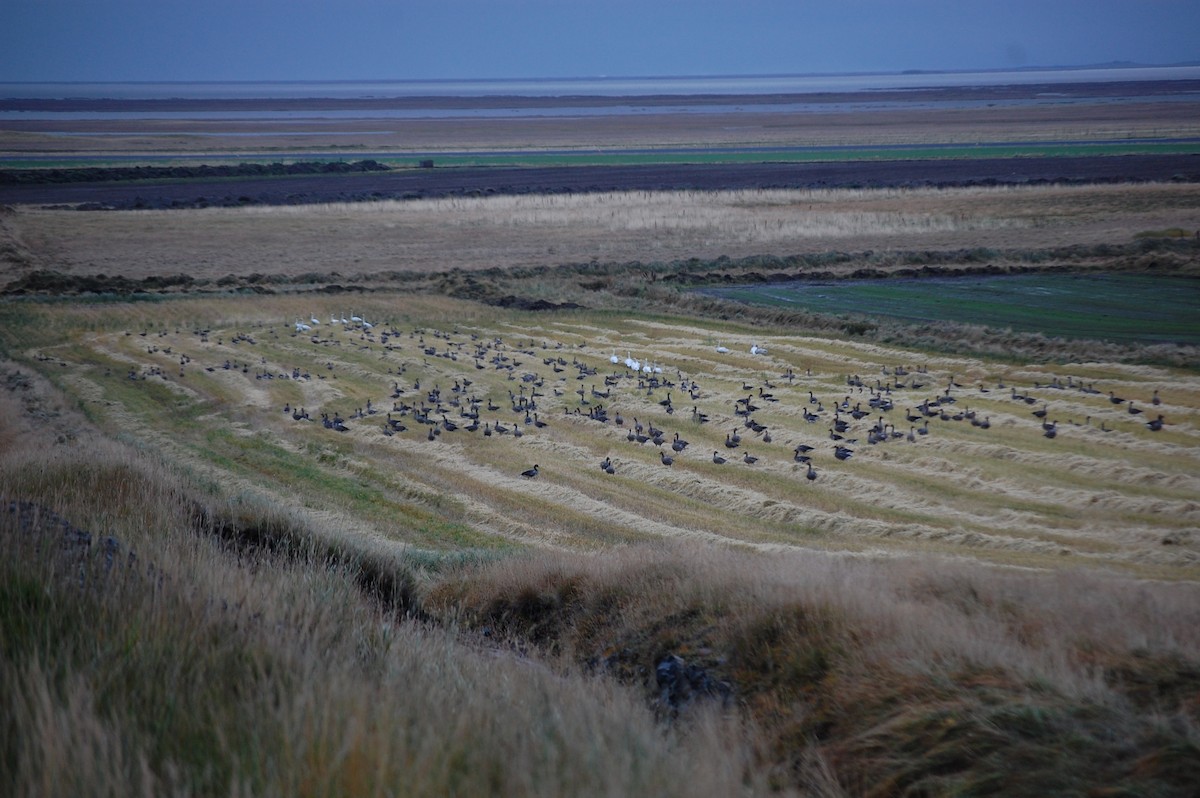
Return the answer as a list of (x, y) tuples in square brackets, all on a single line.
[(981, 609)]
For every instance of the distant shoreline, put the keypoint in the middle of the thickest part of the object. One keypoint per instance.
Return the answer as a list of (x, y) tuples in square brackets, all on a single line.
[(1144, 90), (602, 89)]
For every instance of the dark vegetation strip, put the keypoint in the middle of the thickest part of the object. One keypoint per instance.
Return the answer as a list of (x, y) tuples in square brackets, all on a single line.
[(98, 174), (400, 184), (671, 287)]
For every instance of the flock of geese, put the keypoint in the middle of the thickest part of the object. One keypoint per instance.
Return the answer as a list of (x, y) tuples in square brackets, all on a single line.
[(865, 412)]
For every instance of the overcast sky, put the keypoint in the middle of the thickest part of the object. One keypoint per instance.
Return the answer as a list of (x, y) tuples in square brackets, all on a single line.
[(198, 40)]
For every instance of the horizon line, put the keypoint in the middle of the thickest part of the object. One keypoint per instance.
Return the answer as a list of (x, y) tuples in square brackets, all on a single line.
[(579, 78)]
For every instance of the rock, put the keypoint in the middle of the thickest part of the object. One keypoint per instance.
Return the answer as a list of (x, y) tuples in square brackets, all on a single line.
[(680, 683)]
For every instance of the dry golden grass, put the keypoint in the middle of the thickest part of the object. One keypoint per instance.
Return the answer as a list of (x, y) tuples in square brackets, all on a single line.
[(432, 236), (201, 669)]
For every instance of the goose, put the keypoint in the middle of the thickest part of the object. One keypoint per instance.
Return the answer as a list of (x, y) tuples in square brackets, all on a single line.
[(614, 359), (314, 320), (666, 458), (531, 472), (679, 444), (722, 350), (842, 453), (812, 473), (1154, 400), (1155, 425), (749, 459), (718, 459), (1133, 411)]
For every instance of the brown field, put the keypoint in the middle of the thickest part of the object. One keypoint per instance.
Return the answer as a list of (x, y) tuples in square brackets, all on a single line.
[(1083, 113), (431, 236), (981, 609)]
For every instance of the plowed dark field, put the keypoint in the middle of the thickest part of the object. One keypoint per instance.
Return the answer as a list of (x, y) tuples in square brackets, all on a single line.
[(443, 182)]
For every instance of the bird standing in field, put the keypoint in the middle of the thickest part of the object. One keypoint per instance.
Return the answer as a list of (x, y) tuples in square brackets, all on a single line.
[(718, 459), (530, 473)]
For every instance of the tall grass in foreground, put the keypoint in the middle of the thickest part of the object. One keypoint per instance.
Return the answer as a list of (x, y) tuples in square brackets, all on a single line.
[(903, 676), (201, 668)]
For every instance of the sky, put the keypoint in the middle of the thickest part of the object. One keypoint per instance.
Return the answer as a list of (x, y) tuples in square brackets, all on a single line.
[(309, 40)]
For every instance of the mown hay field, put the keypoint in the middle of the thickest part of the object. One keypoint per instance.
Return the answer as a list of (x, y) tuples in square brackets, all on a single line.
[(947, 460)]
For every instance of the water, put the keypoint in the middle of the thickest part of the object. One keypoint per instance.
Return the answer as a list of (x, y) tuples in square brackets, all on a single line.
[(598, 86)]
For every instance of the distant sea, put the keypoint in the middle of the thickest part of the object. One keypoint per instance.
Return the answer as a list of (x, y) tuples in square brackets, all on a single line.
[(434, 99), (596, 86)]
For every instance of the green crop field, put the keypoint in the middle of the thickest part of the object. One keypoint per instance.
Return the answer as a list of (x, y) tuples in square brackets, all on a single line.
[(697, 155), (1113, 307)]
